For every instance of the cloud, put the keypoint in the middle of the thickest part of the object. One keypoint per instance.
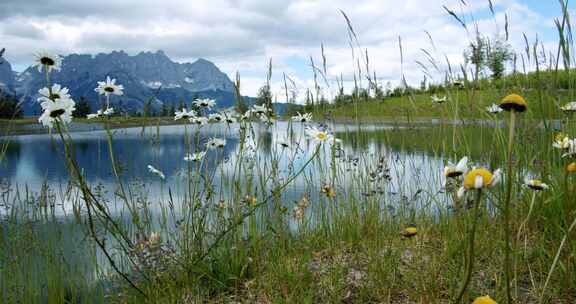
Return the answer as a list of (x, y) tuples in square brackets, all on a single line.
[(241, 35)]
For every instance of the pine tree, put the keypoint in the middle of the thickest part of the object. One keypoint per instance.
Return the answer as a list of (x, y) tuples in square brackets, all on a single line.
[(164, 110), (147, 110), (9, 107), (82, 108)]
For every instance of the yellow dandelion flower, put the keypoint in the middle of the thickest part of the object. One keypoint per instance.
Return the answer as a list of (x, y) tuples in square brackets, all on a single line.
[(410, 231), (514, 102), (484, 300)]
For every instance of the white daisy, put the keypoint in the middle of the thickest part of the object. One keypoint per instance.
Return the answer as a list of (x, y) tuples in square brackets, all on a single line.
[(569, 147), (184, 114), (436, 99), (48, 61), (205, 103), (562, 142), (460, 168), (494, 109), (267, 119), (109, 87), (260, 110), (194, 157), (214, 143), (54, 93), (98, 114), (217, 117), (246, 115), (479, 178), (200, 121), (60, 110), (306, 117), (109, 111), (458, 83), (569, 107), (230, 116), (156, 171), (535, 184), (317, 134)]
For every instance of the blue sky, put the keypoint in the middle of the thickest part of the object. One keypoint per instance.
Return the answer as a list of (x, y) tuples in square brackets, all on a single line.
[(242, 35)]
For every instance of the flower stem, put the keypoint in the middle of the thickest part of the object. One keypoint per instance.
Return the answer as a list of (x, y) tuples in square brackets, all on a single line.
[(556, 258), (470, 263), (525, 222), (509, 179)]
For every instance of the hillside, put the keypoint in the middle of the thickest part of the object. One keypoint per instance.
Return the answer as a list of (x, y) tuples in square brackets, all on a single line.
[(544, 97)]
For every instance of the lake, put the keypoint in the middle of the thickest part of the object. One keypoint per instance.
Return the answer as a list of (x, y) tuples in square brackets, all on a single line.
[(35, 160), (41, 209)]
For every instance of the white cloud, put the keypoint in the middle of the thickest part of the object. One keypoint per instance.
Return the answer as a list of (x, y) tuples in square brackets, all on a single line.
[(241, 35)]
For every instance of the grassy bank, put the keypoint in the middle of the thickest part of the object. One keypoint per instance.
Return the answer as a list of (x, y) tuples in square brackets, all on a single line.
[(312, 212), (460, 104), (348, 247)]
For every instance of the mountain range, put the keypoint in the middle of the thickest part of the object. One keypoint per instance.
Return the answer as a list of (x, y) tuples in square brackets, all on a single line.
[(145, 76)]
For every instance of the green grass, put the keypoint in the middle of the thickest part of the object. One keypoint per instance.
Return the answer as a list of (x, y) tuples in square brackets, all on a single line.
[(467, 105), (236, 240), (546, 91), (349, 248)]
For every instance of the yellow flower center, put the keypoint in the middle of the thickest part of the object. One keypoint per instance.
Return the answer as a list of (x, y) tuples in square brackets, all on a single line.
[(559, 137), (410, 231), (535, 184), (484, 300), (571, 167), (321, 135), (470, 178)]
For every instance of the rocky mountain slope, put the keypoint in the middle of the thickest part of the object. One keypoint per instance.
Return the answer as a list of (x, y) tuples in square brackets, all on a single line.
[(145, 76)]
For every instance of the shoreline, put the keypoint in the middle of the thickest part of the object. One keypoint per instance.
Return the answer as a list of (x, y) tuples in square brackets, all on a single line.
[(30, 126)]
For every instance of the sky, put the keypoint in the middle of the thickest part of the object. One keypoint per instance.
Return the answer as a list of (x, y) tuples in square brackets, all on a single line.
[(243, 35)]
